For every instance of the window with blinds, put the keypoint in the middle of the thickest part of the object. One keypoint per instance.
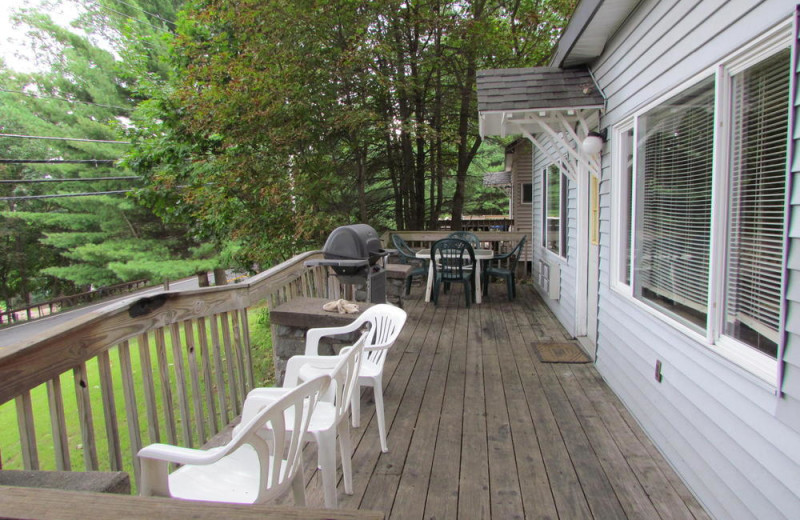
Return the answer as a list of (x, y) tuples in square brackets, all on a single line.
[(670, 159), (760, 110), (673, 230)]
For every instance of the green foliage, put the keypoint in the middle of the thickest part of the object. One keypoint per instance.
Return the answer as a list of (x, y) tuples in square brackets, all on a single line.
[(285, 119), (62, 245)]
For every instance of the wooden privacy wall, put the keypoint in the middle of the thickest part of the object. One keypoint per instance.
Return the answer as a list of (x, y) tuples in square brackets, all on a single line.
[(173, 367)]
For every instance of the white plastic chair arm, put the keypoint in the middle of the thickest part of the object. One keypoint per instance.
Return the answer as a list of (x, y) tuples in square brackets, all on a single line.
[(256, 400), (180, 455), (292, 377), (314, 335)]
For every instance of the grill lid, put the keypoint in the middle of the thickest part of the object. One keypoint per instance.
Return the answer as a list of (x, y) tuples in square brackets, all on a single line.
[(354, 242)]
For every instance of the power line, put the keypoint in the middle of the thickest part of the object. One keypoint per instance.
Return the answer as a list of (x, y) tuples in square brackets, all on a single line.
[(83, 179), (154, 15), (32, 197), (123, 15), (58, 161), (38, 96), (64, 139)]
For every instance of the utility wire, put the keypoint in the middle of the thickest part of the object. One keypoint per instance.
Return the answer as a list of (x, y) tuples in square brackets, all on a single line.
[(64, 139), (140, 8), (83, 179), (38, 96), (123, 15), (58, 161), (32, 197)]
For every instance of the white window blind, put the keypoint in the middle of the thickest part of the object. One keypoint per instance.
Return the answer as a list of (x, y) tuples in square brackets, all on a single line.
[(674, 171), (760, 108)]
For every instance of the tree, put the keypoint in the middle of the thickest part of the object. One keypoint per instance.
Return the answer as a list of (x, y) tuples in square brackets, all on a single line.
[(288, 118), (85, 92)]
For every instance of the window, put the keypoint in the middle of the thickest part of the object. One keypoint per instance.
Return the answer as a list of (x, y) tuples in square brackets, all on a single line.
[(527, 193), (756, 203), (675, 151), (554, 210), (714, 268)]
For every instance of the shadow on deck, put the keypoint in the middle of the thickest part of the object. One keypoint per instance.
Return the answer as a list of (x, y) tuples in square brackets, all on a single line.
[(480, 428)]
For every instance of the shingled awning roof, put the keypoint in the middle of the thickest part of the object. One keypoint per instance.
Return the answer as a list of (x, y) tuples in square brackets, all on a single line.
[(497, 178), (536, 88), (559, 103)]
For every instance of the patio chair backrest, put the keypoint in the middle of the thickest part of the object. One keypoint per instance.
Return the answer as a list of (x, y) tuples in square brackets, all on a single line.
[(452, 256), (516, 253), (404, 250), (386, 322), (472, 238)]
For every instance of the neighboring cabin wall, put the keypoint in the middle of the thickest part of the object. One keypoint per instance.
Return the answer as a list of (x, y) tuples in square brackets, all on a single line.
[(521, 172), (714, 422)]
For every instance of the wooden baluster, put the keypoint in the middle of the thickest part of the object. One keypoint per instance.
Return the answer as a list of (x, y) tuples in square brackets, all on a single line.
[(180, 383), (27, 432), (58, 424), (85, 413), (248, 359), (131, 410), (205, 356), (230, 360), (220, 371), (153, 431), (240, 346), (166, 388), (194, 375), (110, 411)]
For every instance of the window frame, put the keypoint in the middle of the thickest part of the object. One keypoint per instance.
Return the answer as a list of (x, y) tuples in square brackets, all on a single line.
[(755, 362), (563, 218), (522, 193)]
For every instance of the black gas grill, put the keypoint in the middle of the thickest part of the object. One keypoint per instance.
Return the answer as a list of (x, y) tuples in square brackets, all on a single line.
[(353, 252)]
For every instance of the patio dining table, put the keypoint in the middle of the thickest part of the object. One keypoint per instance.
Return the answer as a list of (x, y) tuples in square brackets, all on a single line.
[(480, 256)]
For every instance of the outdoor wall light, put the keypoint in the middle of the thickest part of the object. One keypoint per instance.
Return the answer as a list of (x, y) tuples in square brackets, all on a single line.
[(594, 142)]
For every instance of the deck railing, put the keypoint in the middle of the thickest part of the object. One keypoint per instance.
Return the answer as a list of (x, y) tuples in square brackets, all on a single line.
[(499, 241), (174, 367), (40, 309)]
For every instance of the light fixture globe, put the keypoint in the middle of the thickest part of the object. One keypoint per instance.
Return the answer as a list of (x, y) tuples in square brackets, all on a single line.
[(593, 143)]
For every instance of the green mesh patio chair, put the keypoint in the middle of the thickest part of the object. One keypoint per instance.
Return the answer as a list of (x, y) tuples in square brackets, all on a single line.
[(493, 268), (453, 259), (409, 256)]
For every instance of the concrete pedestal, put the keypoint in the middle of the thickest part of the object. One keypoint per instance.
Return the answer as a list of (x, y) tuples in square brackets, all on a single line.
[(291, 321)]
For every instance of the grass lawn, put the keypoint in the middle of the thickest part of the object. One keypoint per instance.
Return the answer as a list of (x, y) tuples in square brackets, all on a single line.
[(263, 372)]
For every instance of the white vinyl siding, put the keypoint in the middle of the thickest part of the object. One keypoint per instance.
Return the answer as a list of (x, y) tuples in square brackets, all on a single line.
[(733, 441)]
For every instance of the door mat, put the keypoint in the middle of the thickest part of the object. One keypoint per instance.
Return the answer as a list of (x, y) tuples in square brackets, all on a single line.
[(559, 352)]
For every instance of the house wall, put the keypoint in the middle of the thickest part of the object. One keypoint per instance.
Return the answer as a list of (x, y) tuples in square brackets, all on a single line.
[(789, 406), (565, 306), (732, 440)]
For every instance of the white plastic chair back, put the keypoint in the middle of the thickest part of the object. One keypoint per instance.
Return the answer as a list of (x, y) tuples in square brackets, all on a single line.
[(345, 375), (257, 465), (386, 324)]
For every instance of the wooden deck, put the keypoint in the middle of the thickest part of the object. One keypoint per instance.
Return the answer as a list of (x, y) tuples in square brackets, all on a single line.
[(480, 428)]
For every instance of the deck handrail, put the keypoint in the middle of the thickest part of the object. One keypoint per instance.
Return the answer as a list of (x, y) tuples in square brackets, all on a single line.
[(499, 241), (184, 394)]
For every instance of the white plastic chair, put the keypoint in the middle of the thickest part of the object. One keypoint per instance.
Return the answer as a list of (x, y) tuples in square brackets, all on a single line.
[(252, 467), (386, 322), (329, 420)]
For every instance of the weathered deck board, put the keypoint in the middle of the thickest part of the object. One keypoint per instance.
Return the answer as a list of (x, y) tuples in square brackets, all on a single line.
[(478, 427)]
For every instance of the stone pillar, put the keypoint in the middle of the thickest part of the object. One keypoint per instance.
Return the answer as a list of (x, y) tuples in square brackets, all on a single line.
[(291, 321)]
